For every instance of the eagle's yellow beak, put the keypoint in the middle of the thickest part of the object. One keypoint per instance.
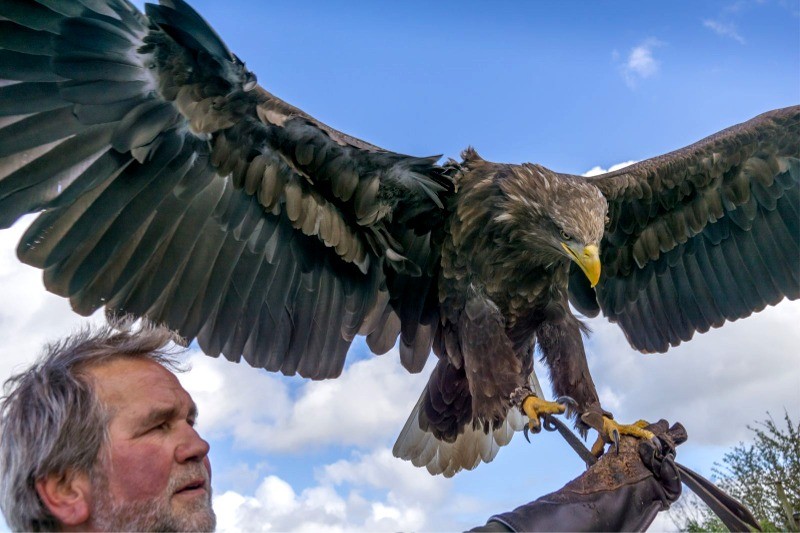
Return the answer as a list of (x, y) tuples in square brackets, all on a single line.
[(588, 258)]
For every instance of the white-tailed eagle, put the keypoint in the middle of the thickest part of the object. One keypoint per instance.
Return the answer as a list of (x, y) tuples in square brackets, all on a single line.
[(172, 186)]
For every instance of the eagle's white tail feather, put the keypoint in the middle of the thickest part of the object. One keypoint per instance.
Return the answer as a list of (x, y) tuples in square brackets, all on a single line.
[(447, 458)]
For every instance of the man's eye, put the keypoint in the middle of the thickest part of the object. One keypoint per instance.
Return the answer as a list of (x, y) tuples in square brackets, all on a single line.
[(160, 427)]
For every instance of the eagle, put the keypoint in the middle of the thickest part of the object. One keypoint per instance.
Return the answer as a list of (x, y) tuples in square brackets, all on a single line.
[(171, 186)]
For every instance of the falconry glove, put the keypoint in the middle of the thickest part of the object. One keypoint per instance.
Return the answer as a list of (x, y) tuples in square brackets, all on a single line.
[(621, 492)]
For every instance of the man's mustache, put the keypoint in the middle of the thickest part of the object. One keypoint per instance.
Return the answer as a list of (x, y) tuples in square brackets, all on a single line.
[(188, 477)]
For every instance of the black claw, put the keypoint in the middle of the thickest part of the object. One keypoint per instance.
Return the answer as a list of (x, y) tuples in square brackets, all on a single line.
[(656, 442), (615, 437), (567, 401), (549, 423), (527, 429)]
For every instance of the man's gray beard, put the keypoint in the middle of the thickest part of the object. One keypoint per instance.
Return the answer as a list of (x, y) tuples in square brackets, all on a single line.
[(155, 514)]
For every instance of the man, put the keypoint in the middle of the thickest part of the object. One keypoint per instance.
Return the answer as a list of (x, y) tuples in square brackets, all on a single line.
[(99, 436)]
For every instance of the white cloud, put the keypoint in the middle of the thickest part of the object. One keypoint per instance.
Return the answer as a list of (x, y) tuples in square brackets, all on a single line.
[(29, 316), (640, 63), (402, 498), (716, 384), (242, 476), (370, 400), (380, 469), (597, 170), (724, 29), (610, 400)]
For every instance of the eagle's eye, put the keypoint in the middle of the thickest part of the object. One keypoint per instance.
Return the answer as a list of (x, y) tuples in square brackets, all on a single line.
[(565, 236)]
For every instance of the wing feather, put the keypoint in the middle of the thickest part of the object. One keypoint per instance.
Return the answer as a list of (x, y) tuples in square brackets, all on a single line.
[(38, 183), (705, 234), (172, 187), (218, 331), (34, 15), (163, 255), (141, 207), (19, 66), (703, 288), (32, 97), (688, 302), (247, 323), (39, 129)]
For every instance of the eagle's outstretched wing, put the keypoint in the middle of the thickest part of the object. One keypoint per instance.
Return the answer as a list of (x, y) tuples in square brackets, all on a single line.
[(701, 235), (173, 187)]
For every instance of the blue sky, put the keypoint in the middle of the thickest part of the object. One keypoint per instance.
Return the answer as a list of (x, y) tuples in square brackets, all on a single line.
[(571, 85)]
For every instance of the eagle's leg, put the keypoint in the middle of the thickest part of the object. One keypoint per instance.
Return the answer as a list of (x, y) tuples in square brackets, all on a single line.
[(561, 345), (611, 431)]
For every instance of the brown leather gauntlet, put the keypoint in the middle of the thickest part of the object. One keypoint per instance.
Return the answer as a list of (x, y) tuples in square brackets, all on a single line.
[(621, 492)]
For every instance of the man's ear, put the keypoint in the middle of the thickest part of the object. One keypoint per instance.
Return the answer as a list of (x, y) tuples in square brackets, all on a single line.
[(67, 496)]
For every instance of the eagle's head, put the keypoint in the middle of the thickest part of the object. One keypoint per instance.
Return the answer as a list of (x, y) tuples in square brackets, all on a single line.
[(560, 216)]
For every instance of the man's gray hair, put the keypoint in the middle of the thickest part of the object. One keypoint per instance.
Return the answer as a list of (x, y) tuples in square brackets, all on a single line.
[(51, 422)]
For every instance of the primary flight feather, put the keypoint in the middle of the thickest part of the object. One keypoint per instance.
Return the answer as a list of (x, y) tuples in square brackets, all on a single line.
[(172, 186)]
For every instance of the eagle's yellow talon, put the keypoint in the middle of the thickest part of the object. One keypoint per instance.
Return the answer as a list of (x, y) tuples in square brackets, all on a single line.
[(536, 407), (612, 431)]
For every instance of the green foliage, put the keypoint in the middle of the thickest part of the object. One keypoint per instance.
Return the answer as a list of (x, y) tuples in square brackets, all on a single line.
[(711, 523), (751, 473)]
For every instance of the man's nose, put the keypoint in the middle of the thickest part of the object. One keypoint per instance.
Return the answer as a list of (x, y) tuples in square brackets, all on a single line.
[(192, 447)]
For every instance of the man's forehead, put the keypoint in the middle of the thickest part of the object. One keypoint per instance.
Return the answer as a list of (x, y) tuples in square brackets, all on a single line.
[(125, 379)]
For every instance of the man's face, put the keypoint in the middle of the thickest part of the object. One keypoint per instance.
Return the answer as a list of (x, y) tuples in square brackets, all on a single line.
[(155, 474)]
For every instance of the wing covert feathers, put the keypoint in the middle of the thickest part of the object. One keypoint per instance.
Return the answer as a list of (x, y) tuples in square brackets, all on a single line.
[(703, 235), (171, 186)]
